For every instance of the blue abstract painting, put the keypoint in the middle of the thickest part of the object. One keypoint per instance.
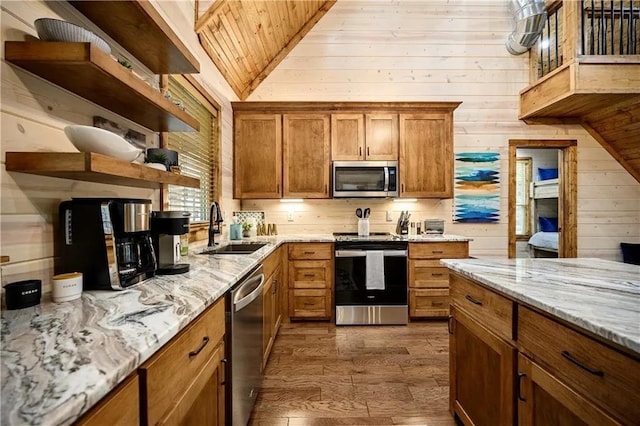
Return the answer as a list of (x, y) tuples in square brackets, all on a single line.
[(476, 197)]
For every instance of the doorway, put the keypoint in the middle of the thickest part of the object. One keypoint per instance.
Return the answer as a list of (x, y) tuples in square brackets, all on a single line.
[(546, 202)]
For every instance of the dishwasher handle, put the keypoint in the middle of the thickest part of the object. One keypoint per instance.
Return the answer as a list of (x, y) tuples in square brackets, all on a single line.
[(363, 253), (248, 292)]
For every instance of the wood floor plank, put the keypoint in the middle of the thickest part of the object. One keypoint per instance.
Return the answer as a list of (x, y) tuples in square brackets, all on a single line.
[(320, 374)]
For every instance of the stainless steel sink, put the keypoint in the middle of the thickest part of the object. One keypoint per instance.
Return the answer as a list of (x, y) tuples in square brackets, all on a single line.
[(243, 248)]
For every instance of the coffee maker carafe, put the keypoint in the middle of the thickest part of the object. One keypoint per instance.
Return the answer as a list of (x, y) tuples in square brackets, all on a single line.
[(108, 240), (166, 228)]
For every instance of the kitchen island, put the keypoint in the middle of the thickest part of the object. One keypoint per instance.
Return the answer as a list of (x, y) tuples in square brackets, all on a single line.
[(542, 336), (59, 359)]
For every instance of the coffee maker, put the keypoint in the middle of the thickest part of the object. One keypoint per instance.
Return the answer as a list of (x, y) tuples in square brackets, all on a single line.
[(166, 228), (108, 240)]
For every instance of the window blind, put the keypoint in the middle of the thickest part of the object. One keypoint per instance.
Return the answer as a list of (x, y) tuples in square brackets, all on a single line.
[(198, 155)]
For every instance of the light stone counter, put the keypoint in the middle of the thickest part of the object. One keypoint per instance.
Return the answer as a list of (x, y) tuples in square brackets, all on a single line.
[(59, 359), (600, 296)]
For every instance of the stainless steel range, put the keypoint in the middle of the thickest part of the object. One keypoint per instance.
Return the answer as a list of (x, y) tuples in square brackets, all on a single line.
[(371, 279)]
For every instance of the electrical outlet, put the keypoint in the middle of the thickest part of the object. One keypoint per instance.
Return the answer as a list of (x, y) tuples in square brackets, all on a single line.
[(289, 216), (389, 218)]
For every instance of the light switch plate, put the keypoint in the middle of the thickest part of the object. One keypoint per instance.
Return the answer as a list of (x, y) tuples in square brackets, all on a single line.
[(290, 216), (389, 218)]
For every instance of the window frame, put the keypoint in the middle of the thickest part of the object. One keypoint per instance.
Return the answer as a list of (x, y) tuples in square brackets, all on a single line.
[(197, 230)]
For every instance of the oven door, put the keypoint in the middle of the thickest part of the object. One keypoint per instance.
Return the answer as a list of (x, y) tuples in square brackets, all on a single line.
[(351, 280)]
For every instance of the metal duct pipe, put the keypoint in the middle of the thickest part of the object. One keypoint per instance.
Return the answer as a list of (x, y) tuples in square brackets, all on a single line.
[(529, 18)]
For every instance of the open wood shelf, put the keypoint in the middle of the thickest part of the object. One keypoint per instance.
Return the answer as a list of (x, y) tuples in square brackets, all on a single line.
[(88, 72), (92, 167), (138, 27)]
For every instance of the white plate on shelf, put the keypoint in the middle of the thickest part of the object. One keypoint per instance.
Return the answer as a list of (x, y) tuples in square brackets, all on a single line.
[(50, 29), (157, 166), (100, 141)]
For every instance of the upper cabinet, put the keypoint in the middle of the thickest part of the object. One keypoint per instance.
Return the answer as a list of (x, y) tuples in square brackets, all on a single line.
[(306, 148), (364, 137), (426, 155), (257, 156), (293, 144)]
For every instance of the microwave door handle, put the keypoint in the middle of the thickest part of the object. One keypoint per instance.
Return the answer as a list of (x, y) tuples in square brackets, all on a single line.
[(386, 179)]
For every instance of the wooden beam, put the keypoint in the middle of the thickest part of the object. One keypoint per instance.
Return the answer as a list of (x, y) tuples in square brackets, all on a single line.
[(612, 151)]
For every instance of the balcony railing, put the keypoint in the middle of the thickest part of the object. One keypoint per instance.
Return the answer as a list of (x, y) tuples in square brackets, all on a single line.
[(605, 27)]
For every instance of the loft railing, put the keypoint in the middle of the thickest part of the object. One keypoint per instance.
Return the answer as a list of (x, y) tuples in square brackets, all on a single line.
[(603, 27)]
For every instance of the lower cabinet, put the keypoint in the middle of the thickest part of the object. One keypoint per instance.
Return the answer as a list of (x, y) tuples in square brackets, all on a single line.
[(482, 365), (310, 275), (272, 302), (120, 407), (544, 400), (183, 383)]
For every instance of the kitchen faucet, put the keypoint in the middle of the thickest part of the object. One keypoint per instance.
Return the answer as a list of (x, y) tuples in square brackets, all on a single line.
[(215, 219)]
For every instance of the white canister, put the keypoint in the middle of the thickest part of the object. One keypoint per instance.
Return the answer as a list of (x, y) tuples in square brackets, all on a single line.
[(65, 287), (363, 227)]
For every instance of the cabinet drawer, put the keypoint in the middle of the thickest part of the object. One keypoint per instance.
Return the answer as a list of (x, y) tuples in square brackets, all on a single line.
[(311, 251), (310, 274), (493, 311), (185, 354), (598, 372), (443, 250), (428, 274), (428, 303), (310, 303), (120, 407)]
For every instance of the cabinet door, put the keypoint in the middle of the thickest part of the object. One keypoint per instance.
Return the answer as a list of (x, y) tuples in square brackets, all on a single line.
[(306, 141), (258, 156), (203, 402), (267, 319), (482, 368), (382, 137), (310, 304), (545, 401), (347, 137), (426, 155), (277, 301), (428, 303), (310, 274)]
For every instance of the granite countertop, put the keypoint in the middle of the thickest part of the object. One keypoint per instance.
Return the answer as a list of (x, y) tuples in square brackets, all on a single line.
[(59, 359), (600, 296)]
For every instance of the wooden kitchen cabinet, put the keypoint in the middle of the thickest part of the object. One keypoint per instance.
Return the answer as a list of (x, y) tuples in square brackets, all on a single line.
[(352, 139), (272, 302), (544, 400), (426, 155), (429, 280), (257, 156), (268, 303), (482, 373), (306, 155), (310, 278), (183, 383), (120, 407)]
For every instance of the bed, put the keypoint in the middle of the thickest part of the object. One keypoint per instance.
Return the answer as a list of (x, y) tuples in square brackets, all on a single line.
[(543, 244), (543, 189)]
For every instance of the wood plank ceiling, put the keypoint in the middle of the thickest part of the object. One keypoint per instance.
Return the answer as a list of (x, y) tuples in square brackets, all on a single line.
[(247, 39)]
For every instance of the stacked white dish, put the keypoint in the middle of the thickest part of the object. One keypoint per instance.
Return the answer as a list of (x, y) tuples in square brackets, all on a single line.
[(100, 141), (56, 30)]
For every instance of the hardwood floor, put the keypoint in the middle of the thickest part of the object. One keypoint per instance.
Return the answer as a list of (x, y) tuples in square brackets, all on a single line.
[(320, 374)]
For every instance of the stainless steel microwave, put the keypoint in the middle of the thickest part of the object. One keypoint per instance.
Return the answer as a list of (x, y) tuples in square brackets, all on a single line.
[(365, 179)]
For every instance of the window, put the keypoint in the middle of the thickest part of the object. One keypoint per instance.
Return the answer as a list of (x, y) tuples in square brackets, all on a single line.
[(198, 152), (523, 200)]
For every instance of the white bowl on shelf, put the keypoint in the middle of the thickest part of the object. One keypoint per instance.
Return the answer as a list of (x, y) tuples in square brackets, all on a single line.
[(100, 141), (56, 30), (157, 166)]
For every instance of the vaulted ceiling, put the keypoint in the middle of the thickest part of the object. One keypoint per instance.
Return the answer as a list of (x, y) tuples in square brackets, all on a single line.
[(247, 39)]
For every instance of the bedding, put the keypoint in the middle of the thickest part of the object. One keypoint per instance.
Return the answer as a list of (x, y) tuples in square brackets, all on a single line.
[(544, 240)]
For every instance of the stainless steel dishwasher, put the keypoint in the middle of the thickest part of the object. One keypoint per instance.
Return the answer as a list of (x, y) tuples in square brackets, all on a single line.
[(244, 309)]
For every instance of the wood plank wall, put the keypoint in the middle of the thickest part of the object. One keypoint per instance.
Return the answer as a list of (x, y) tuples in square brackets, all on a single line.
[(441, 51), (33, 114)]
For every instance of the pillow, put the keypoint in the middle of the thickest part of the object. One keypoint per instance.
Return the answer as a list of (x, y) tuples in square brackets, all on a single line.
[(548, 224), (545, 174)]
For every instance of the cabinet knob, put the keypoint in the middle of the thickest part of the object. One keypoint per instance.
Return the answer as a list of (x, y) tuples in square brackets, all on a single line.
[(450, 324), (578, 363), (360, 153), (205, 341), (518, 385), (472, 300), (368, 152)]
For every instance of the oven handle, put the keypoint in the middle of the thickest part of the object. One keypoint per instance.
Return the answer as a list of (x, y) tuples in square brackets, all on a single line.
[(363, 253), (386, 179)]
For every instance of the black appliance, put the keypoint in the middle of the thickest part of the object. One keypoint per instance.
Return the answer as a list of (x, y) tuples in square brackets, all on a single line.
[(166, 228), (108, 240), (369, 179), (371, 280)]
